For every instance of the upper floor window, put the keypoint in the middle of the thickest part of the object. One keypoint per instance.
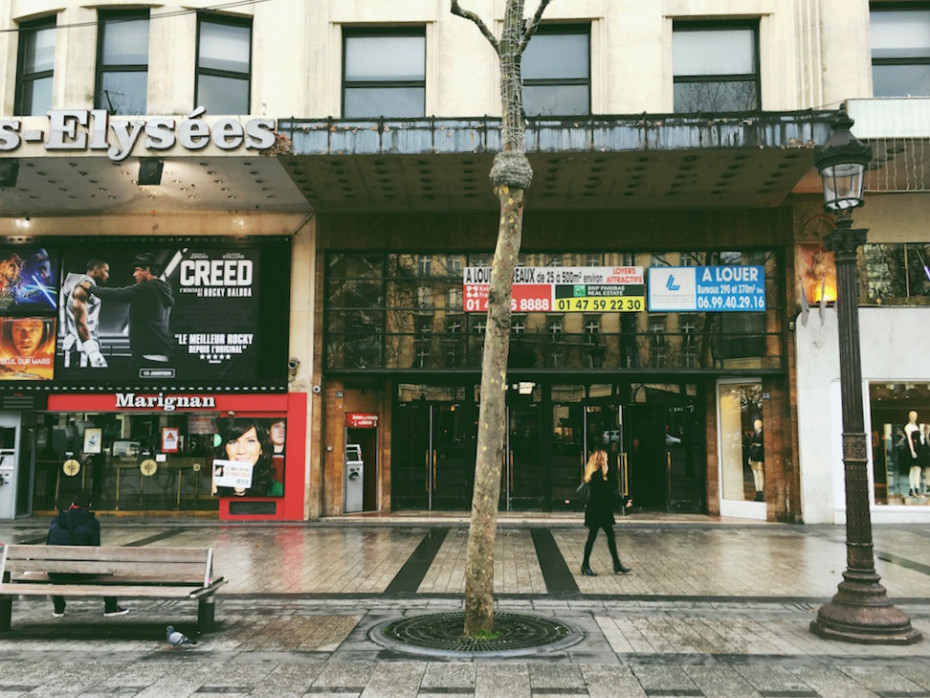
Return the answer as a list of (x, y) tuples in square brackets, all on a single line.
[(36, 66), (716, 67), (384, 73), (900, 52), (556, 68), (224, 64), (122, 62)]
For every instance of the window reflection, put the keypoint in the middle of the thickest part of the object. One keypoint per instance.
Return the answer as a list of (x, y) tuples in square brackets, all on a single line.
[(405, 311)]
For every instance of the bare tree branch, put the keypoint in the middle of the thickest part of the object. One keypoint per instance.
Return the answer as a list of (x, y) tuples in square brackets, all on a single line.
[(467, 14), (533, 25)]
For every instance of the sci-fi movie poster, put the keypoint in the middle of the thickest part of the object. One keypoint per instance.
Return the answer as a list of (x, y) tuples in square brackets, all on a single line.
[(159, 313), (28, 280)]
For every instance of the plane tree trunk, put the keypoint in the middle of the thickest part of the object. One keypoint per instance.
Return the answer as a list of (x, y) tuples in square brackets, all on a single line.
[(510, 177)]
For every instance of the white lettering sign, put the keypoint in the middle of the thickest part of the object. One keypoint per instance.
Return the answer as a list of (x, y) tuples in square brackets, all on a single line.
[(92, 129), (168, 403)]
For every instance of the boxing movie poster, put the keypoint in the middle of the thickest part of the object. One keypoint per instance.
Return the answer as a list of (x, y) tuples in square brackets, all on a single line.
[(159, 313)]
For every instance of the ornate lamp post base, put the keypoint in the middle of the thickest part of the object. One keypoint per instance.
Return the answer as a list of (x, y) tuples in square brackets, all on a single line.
[(861, 612)]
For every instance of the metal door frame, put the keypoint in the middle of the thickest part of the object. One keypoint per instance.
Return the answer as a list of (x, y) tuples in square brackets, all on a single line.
[(613, 401)]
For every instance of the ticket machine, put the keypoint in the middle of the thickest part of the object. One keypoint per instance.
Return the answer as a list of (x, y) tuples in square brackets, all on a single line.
[(354, 478), (9, 463)]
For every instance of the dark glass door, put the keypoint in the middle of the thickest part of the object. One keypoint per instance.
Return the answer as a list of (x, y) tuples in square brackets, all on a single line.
[(525, 480), (566, 455), (453, 457), (411, 456), (433, 462), (646, 456)]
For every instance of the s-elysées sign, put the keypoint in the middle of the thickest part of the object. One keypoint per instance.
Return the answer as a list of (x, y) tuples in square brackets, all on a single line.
[(92, 129)]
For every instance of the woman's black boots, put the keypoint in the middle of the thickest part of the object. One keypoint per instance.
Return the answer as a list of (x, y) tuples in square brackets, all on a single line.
[(586, 569), (619, 568)]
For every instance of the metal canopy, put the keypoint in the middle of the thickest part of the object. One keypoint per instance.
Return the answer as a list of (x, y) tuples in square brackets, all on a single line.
[(602, 162)]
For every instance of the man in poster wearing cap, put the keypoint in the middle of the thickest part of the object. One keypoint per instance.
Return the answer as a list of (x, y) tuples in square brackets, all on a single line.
[(150, 301)]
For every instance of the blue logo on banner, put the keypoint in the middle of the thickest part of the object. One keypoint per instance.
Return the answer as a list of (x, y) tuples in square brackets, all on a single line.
[(670, 283)]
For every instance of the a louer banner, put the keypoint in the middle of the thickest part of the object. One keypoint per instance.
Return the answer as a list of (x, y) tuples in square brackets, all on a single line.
[(159, 313)]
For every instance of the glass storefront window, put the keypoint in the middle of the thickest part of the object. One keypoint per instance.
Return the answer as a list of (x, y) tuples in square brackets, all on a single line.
[(151, 462), (895, 274), (422, 300), (742, 457), (900, 442)]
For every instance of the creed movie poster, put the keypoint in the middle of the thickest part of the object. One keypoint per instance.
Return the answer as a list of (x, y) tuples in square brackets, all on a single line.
[(159, 312)]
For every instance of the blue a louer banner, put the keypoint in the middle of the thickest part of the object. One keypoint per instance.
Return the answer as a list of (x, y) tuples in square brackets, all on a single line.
[(707, 289)]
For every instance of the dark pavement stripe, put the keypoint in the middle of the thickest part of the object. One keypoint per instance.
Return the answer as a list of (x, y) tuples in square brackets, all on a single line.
[(157, 537), (902, 561), (558, 577), (352, 690), (410, 576)]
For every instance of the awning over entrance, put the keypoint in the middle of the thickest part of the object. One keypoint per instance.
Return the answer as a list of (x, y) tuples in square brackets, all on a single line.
[(597, 162)]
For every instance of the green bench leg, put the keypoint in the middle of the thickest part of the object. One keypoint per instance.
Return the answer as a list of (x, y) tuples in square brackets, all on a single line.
[(6, 612), (205, 611)]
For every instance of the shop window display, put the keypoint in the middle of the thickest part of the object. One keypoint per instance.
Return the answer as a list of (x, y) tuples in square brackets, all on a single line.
[(742, 454), (901, 442), (154, 462)]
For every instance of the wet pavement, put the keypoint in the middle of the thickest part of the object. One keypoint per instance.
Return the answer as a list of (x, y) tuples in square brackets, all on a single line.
[(711, 609)]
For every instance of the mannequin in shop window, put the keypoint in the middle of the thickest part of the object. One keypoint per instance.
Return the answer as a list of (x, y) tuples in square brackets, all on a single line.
[(914, 442), (923, 459), (757, 459)]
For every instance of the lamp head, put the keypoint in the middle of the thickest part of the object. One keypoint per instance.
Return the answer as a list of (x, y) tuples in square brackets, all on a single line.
[(841, 163)]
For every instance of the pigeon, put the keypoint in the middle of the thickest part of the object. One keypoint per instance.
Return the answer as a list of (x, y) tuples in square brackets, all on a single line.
[(176, 638)]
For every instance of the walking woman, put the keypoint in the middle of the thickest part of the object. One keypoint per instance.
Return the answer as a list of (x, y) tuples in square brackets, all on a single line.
[(598, 512)]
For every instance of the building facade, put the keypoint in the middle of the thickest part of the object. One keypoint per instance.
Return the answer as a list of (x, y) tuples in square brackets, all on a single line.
[(309, 180)]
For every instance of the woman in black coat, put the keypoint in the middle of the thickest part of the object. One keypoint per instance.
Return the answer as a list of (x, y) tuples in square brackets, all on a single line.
[(598, 512)]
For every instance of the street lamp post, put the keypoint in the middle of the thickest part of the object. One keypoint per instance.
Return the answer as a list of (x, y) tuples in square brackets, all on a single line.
[(860, 611)]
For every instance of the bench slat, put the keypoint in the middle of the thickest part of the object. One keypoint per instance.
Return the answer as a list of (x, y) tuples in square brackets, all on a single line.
[(119, 577), (184, 570), (96, 590), (110, 553)]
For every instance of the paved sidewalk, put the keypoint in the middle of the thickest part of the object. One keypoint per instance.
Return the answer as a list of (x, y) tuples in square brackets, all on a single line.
[(710, 610)]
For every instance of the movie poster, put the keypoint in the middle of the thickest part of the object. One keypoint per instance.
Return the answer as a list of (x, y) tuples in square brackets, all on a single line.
[(28, 280), (159, 313), (27, 348), (249, 457)]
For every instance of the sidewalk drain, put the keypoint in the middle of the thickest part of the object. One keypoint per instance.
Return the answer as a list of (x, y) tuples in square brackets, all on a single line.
[(440, 635)]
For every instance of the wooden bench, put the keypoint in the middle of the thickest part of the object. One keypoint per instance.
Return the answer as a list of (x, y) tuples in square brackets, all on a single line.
[(172, 573)]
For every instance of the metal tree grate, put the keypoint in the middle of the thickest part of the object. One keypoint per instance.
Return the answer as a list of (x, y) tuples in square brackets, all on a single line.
[(440, 634)]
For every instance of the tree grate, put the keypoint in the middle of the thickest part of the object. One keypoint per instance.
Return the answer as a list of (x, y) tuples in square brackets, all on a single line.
[(441, 634)]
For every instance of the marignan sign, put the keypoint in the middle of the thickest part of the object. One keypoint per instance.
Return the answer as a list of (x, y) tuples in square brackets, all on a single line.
[(92, 129)]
